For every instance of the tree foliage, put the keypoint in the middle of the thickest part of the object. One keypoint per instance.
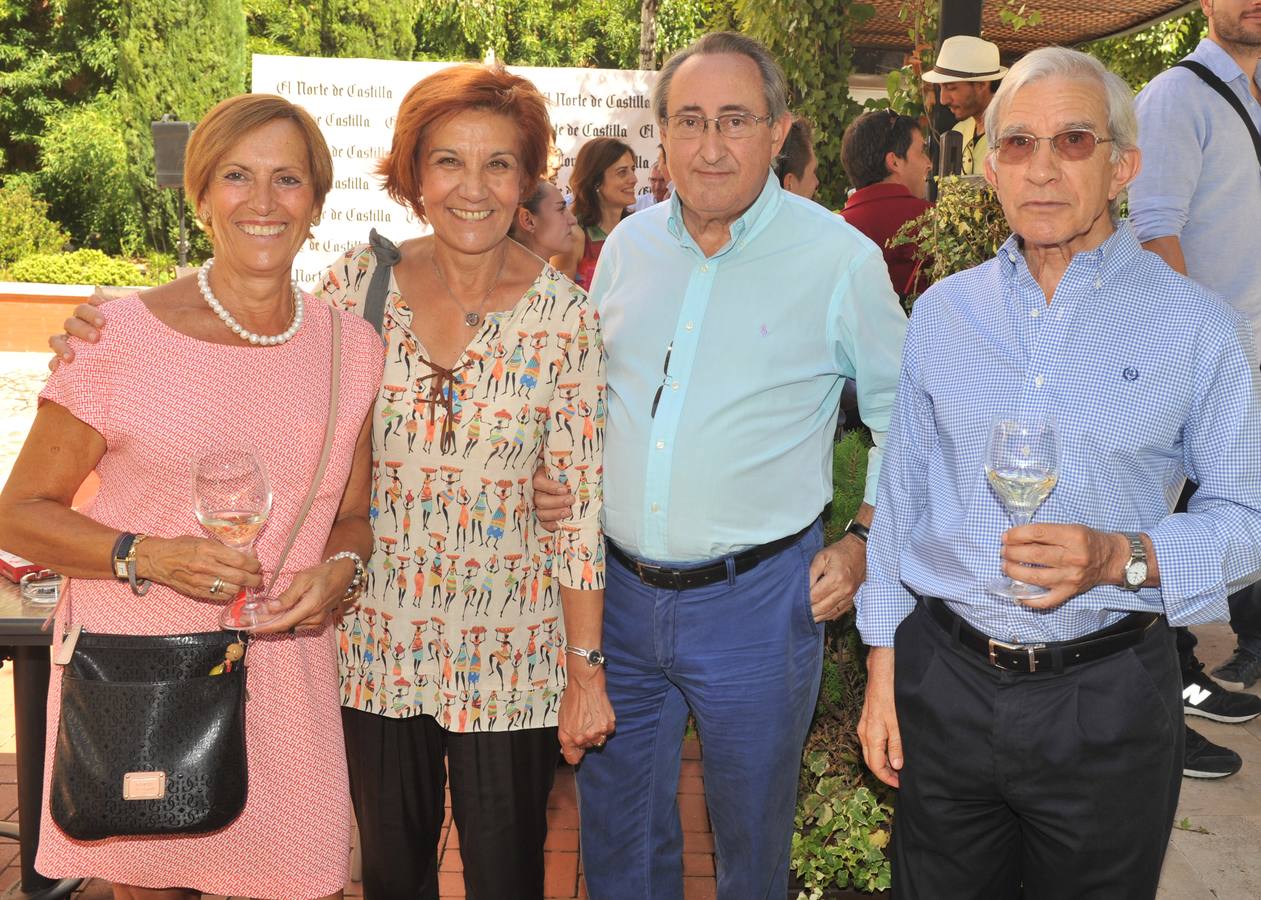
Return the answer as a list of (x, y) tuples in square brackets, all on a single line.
[(333, 28), (1140, 57), (24, 224), (812, 41), (179, 57), (86, 175), (597, 33), (53, 54)]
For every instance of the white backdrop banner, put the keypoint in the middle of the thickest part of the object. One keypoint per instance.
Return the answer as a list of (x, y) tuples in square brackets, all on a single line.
[(356, 101)]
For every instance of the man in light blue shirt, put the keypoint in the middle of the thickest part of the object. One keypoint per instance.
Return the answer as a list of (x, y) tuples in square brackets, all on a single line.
[(731, 316), (1039, 742), (1197, 203)]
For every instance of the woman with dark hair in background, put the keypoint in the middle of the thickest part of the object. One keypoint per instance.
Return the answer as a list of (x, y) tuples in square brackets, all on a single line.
[(603, 184)]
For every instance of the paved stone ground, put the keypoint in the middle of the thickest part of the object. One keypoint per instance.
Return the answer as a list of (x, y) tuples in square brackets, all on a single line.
[(1213, 857), (21, 377)]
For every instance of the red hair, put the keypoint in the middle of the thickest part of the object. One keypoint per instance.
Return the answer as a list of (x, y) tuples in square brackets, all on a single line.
[(449, 92)]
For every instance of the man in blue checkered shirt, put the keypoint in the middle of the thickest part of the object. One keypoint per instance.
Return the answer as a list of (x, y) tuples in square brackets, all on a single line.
[(1040, 743)]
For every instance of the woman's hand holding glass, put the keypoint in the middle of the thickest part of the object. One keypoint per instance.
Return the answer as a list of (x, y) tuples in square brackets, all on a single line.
[(313, 596), (193, 565)]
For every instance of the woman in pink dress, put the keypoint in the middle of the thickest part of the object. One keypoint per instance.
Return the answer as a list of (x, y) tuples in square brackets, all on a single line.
[(242, 357)]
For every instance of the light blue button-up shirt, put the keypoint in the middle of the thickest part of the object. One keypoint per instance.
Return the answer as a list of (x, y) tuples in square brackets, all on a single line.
[(1201, 181), (1151, 378), (762, 335)]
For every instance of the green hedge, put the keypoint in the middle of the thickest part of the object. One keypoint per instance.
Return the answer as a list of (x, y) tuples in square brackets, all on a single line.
[(24, 224), (79, 267)]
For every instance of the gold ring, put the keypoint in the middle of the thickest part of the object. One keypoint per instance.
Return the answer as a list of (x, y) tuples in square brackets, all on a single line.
[(217, 586)]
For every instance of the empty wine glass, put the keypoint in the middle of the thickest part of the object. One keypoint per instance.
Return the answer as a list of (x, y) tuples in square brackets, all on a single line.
[(1022, 464), (232, 499)]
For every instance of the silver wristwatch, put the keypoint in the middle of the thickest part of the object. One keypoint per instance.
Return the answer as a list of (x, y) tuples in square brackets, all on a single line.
[(593, 657), (1136, 566)]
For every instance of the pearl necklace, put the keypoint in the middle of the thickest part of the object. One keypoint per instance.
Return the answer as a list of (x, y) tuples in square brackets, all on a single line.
[(258, 340)]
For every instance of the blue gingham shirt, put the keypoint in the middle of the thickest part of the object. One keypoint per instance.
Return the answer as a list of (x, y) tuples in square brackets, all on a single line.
[(1200, 180), (763, 334), (1151, 379)]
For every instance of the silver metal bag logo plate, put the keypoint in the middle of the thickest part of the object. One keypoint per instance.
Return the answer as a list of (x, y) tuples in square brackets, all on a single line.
[(144, 785)]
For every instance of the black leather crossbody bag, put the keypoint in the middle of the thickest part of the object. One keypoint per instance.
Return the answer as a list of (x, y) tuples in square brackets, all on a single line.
[(150, 740)]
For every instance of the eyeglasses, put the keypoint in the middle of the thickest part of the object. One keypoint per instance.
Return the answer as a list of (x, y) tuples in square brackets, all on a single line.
[(1073, 145), (665, 379), (689, 127)]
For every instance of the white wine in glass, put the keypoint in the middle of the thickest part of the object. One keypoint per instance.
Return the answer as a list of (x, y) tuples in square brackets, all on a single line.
[(1022, 465), (232, 499)]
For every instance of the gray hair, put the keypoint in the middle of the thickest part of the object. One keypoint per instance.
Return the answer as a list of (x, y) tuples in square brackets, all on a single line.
[(1051, 62), (774, 84)]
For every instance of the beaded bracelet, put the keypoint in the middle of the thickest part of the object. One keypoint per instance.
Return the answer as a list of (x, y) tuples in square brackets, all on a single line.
[(356, 583)]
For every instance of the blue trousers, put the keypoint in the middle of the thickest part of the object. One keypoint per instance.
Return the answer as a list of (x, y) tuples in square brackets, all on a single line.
[(745, 656)]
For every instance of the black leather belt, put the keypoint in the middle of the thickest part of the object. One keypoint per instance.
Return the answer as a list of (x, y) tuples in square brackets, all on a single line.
[(1053, 656), (699, 576)]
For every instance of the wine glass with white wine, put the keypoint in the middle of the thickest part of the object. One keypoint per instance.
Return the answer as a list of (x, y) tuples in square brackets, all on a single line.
[(232, 499), (1022, 465)]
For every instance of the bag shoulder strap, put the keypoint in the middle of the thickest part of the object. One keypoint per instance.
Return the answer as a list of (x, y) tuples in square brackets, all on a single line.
[(374, 303), (1230, 96), (334, 390)]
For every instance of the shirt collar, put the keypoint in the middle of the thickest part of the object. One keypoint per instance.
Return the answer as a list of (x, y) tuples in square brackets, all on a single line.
[(1114, 255), (1220, 63), (753, 220), (881, 190)]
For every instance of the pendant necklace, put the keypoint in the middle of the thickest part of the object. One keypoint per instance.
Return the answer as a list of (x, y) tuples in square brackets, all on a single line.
[(474, 318)]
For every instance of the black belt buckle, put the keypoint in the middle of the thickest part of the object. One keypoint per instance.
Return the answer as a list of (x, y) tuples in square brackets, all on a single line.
[(1016, 650), (653, 575)]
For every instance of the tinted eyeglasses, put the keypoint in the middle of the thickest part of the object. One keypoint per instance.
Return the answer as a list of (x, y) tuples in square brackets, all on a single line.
[(1074, 145), (665, 378)]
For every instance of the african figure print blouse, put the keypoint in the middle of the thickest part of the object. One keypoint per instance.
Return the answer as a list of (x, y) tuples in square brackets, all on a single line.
[(461, 619)]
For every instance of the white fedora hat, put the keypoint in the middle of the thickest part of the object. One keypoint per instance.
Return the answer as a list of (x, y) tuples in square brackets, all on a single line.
[(966, 58)]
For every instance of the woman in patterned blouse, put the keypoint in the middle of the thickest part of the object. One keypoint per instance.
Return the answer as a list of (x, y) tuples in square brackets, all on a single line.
[(462, 649)]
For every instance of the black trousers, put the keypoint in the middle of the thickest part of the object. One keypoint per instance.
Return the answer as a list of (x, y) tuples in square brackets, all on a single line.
[(1245, 609), (1034, 786), (500, 782)]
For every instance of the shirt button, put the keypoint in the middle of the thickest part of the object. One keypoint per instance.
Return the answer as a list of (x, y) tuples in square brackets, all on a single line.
[(674, 386), (1037, 382), (704, 268), (1035, 312), (689, 326), (661, 445), (656, 507), (1098, 283)]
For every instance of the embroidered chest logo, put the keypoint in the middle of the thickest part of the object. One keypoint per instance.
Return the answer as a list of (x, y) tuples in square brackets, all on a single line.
[(1130, 373), (763, 331)]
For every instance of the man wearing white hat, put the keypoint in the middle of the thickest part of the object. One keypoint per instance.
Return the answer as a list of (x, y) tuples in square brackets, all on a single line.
[(968, 71)]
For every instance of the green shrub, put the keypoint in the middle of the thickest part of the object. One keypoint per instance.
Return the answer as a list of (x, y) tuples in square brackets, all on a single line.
[(963, 230), (840, 835), (24, 224), (79, 267), (85, 172)]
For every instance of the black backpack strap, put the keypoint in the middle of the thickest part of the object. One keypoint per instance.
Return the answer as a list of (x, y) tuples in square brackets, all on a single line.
[(1230, 96), (374, 303)]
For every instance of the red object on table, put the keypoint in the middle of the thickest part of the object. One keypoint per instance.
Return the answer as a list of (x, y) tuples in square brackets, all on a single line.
[(13, 567)]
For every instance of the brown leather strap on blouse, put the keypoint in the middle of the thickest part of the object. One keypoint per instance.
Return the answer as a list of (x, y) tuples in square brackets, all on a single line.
[(442, 388)]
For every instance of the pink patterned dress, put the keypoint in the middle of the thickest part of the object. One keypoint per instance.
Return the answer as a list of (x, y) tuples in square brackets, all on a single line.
[(158, 398)]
